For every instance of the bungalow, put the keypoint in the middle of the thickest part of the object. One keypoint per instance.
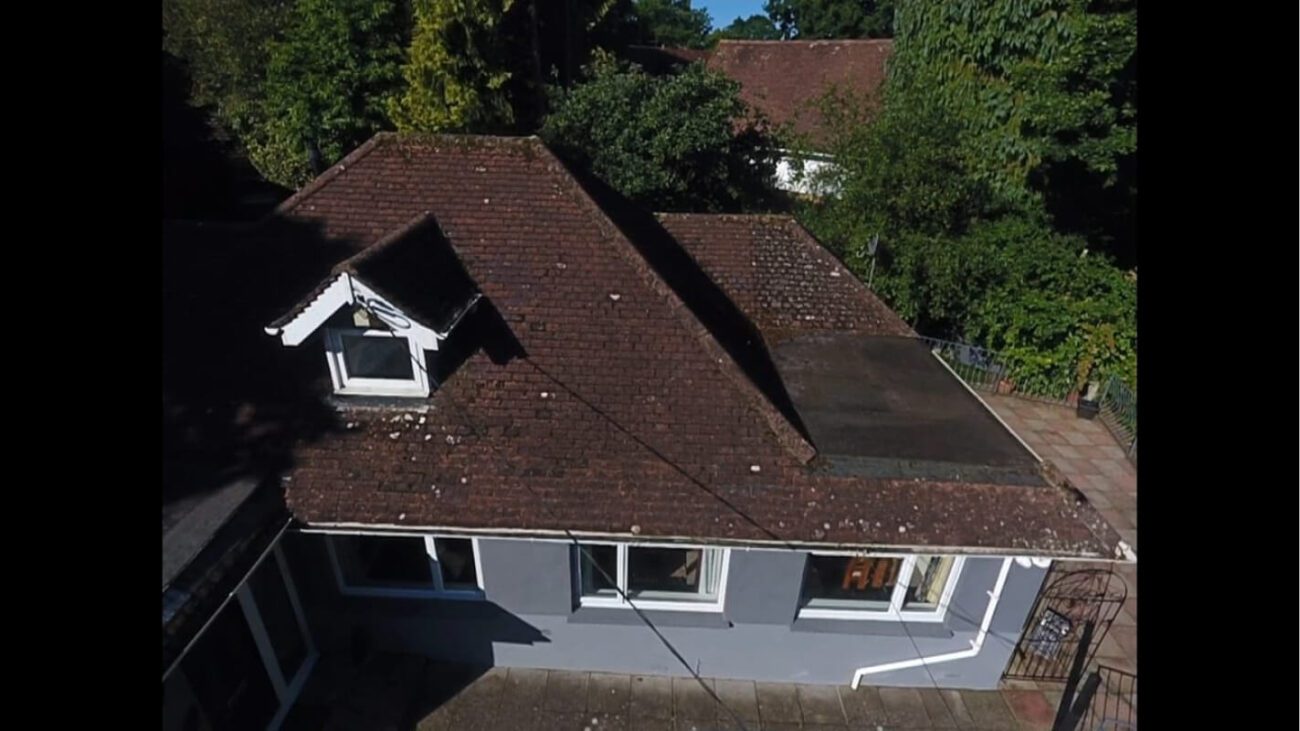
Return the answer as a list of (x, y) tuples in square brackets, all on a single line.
[(786, 80), (550, 430)]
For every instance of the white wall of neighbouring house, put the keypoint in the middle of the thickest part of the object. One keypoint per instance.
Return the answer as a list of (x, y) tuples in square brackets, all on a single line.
[(813, 179)]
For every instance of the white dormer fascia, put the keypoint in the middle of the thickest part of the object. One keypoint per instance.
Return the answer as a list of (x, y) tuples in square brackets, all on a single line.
[(348, 290)]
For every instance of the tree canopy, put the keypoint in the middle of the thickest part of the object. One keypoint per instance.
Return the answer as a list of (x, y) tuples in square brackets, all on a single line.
[(812, 19), (995, 116), (671, 23), (753, 28), (683, 142), (328, 85)]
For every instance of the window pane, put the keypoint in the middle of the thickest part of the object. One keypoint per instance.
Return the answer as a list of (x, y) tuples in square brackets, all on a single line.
[(850, 582), (456, 557), (675, 572), (272, 599), (382, 561), (377, 357), (595, 583), (929, 578), (227, 674)]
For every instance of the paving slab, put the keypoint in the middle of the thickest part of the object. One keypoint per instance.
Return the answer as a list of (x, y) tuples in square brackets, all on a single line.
[(609, 693), (651, 697), (936, 708), (566, 691), (863, 706), (820, 704), (778, 703), (988, 710), (1030, 708), (740, 696), (692, 701), (904, 708)]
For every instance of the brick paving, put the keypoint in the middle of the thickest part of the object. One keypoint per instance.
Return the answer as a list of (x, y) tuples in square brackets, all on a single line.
[(1093, 461)]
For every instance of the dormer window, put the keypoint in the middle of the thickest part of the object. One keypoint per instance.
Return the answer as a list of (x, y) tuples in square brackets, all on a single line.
[(375, 362), (382, 313)]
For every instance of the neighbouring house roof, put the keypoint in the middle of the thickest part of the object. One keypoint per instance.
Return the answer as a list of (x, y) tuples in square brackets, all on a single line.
[(627, 375), (787, 79)]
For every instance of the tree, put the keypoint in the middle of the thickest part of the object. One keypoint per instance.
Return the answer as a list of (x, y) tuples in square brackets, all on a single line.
[(753, 28), (682, 142), (809, 19), (456, 70), (672, 23), (225, 45), (988, 110), (1046, 94), (328, 85)]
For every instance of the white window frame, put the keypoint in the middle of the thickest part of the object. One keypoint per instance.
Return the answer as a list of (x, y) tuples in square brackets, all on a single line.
[(436, 590), (895, 612), (347, 385), (676, 605)]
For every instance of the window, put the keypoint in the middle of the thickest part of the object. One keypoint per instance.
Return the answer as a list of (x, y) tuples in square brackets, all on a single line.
[(406, 566), (653, 577), (915, 588), (375, 362)]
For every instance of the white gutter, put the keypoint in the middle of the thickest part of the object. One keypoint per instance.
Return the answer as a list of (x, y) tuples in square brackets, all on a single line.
[(975, 644)]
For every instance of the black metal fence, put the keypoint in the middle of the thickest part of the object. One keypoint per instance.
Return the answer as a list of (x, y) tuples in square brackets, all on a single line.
[(1114, 704), (988, 371), (1074, 603)]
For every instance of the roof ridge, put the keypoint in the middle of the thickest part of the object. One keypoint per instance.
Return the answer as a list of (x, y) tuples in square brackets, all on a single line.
[(355, 157), (786, 434), (387, 240), (324, 178)]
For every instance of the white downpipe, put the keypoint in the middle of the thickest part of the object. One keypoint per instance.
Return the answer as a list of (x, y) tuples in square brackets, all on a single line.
[(975, 644)]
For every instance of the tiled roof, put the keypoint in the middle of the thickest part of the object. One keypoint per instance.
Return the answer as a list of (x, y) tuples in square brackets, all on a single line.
[(786, 79), (780, 276), (605, 399)]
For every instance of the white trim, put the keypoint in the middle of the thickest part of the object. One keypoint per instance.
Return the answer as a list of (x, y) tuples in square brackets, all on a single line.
[(895, 611), (621, 601), (975, 646), (348, 290), (549, 535), (262, 639), (295, 687), (344, 384), (436, 588), (337, 294)]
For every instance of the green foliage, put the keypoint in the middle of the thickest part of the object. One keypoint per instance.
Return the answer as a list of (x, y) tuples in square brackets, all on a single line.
[(225, 46), (809, 19), (996, 118), (753, 28), (683, 142), (328, 85), (456, 70), (1045, 89), (672, 23)]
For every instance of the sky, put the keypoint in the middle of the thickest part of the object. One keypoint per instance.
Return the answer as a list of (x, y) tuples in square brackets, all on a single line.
[(725, 11)]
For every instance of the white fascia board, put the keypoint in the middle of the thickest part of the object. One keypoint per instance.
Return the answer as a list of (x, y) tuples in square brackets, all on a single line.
[(348, 290), (336, 295)]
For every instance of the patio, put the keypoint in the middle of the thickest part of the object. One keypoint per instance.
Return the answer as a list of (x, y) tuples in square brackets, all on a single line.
[(1092, 460), (403, 692)]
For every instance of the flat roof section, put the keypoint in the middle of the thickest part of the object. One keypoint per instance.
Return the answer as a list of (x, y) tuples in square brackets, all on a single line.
[(884, 406)]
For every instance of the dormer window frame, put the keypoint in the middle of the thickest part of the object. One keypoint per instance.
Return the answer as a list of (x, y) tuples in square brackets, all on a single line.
[(346, 384)]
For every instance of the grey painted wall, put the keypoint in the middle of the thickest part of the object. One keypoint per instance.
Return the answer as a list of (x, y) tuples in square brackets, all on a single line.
[(530, 620)]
